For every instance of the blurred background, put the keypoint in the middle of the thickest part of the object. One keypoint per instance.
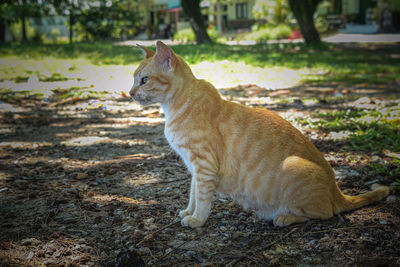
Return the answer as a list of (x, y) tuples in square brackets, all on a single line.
[(63, 21)]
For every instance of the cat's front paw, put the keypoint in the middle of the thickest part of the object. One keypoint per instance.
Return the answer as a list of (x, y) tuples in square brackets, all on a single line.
[(192, 222), (184, 213)]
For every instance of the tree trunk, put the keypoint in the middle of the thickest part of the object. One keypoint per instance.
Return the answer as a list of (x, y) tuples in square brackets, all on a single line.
[(71, 24), (24, 39), (304, 11), (192, 9), (2, 31)]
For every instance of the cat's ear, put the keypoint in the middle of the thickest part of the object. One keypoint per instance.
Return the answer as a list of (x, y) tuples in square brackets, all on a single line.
[(146, 52), (165, 57)]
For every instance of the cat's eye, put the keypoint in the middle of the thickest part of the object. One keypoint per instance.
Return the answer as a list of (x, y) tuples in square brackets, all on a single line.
[(144, 80)]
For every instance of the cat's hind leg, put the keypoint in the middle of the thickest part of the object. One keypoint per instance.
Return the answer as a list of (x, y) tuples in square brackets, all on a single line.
[(305, 192), (315, 206), (288, 219)]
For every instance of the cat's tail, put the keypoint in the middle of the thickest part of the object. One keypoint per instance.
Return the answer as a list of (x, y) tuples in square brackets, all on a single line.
[(354, 202)]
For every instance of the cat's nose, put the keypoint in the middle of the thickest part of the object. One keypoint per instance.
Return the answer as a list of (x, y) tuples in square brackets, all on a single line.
[(132, 92)]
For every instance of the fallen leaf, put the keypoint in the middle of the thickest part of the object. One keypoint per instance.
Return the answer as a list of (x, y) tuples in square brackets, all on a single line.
[(80, 175)]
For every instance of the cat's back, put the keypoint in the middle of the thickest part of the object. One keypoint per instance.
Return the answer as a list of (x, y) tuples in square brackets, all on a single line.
[(256, 124), (253, 135)]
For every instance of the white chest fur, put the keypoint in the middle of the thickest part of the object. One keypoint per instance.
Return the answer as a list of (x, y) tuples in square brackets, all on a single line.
[(175, 139)]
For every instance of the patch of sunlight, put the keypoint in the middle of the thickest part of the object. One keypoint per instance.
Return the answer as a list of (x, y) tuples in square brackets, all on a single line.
[(25, 145), (101, 127), (225, 74), (342, 135), (147, 178), (6, 130), (147, 120), (5, 107), (36, 76), (86, 141), (101, 199), (42, 76), (130, 120), (98, 104), (95, 140)]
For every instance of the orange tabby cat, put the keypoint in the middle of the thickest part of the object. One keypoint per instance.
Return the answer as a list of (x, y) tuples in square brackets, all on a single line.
[(253, 155)]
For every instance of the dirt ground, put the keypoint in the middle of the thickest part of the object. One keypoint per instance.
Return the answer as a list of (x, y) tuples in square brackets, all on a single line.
[(94, 182)]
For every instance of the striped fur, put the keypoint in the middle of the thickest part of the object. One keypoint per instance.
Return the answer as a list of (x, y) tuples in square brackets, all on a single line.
[(253, 155)]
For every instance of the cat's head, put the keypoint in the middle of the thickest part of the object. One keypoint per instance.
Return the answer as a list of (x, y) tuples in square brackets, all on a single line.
[(155, 76)]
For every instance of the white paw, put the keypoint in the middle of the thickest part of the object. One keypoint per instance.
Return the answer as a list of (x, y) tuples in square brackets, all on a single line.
[(184, 213), (192, 222)]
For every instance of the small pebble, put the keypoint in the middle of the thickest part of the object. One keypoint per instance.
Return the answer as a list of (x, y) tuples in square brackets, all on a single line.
[(30, 255), (149, 220), (391, 199), (189, 253), (145, 250), (3, 189)]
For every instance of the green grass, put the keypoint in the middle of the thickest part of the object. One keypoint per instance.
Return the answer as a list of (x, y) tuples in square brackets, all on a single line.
[(328, 62), (365, 130), (385, 170), (258, 64), (374, 132)]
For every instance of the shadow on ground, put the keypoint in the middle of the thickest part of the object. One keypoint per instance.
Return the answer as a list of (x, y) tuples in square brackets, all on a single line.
[(89, 187)]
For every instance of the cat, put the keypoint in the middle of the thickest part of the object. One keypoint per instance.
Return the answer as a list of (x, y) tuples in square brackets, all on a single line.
[(253, 155)]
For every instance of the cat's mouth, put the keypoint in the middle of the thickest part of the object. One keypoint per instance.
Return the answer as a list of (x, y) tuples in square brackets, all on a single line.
[(142, 100)]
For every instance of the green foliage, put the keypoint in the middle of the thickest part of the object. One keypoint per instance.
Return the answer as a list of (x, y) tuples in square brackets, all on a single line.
[(393, 4), (320, 20), (54, 34), (274, 12), (187, 35), (16, 31), (321, 24), (281, 31), (14, 12), (107, 20), (262, 34), (8, 12), (213, 33)]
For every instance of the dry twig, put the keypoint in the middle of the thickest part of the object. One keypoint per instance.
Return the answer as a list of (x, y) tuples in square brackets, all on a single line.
[(150, 236)]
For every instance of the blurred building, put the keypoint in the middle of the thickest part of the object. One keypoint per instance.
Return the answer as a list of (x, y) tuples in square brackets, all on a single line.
[(163, 17), (364, 16), (234, 15)]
